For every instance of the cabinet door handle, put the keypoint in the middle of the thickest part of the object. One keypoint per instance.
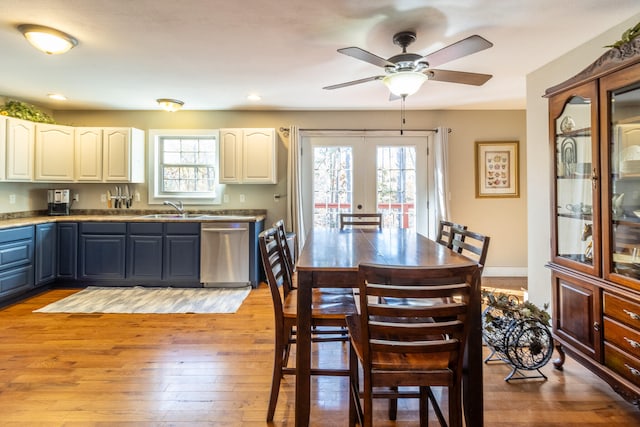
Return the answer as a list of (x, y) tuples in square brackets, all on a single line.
[(633, 370), (631, 314), (632, 343), (594, 179), (596, 326)]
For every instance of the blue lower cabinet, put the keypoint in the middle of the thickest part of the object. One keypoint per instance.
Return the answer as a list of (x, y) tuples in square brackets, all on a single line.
[(101, 251), (46, 251), (182, 258), (16, 261), (144, 252), (67, 250)]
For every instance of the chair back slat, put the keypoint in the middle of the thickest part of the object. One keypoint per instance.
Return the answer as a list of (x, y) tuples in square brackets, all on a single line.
[(470, 244), (361, 220), (444, 235), (275, 268), (281, 237), (403, 329)]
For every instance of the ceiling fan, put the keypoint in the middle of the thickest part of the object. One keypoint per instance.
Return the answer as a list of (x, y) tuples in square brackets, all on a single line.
[(406, 72)]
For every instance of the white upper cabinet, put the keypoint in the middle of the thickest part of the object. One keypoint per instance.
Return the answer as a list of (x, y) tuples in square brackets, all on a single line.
[(20, 147), (54, 153), (3, 148), (123, 155), (88, 154), (248, 156)]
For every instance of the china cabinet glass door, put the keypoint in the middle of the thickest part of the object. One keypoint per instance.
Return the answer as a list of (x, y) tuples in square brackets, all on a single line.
[(621, 100), (576, 180)]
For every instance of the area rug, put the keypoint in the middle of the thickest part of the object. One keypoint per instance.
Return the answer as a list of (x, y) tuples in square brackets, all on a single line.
[(138, 299)]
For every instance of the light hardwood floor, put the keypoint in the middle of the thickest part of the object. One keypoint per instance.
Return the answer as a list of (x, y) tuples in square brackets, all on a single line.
[(215, 370)]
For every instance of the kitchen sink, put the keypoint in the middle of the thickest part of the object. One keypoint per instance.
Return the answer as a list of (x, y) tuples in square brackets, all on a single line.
[(172, 216), (199, 216)]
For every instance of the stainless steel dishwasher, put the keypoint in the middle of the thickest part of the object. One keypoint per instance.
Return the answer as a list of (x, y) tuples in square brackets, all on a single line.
[(224, 254)]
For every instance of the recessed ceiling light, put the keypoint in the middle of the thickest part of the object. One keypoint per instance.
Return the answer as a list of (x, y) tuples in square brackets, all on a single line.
[(48, 40), (57, 96), (254, 97)]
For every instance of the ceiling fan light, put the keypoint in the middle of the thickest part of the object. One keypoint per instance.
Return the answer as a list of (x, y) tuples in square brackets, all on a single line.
[(48, 40), (404, 83), (170, 105)]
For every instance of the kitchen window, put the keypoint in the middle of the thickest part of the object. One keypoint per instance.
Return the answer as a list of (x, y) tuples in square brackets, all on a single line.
[(183, 165)]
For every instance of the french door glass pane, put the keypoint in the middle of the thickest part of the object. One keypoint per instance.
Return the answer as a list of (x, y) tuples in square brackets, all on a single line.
[(396, 186), (332, 184)]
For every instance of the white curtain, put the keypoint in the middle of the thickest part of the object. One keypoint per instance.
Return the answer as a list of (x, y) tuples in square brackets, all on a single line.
[(441, 174), (294, 187)]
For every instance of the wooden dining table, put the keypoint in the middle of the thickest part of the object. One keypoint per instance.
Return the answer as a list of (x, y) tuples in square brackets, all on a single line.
[(330, 258)]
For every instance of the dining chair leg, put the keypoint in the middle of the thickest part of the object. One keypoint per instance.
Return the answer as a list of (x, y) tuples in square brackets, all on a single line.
[(355, 410), (455, 405), (424, 407), (393, 405), (367, 402), (281, 351)]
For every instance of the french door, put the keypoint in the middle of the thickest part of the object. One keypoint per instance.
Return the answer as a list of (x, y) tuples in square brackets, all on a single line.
[(366, 172)]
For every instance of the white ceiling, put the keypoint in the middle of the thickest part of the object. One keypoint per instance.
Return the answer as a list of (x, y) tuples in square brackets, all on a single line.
[(213, 53)]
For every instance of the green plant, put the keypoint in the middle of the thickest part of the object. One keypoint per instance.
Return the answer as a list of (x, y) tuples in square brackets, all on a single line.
[(511, 308), (627, 36), (21, 110)]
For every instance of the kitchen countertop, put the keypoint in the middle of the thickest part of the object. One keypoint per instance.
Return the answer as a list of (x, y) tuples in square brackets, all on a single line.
[(7, 220)]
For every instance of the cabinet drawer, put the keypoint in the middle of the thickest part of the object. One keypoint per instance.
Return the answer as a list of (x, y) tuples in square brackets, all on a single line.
[(13, 234), (622, 336), (192, 228), (16, 254), (624, 311), (16, 279), (103, 227), (145, 228), (622, 363)]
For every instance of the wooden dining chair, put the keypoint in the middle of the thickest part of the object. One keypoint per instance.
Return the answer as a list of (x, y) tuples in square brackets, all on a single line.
[(470, 244), (360, 220), (399, 346), (444, 231), (327, 309)]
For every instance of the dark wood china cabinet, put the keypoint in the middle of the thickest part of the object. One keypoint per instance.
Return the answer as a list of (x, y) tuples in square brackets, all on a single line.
[(595, 218)]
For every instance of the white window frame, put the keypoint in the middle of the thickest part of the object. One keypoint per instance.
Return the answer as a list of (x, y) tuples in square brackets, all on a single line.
[(156, 197)]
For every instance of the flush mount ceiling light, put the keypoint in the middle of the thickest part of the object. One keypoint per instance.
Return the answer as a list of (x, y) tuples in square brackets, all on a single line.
[(170, 105), (404, 83), (57, 96), (48, 40)]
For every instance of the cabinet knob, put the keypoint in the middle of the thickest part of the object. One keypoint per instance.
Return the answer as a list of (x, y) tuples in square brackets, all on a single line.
[(633, 370), (631, 314), (632, 343), (596, 326)]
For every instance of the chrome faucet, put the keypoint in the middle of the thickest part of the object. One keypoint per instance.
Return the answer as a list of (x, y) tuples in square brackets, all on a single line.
[(179, 207)]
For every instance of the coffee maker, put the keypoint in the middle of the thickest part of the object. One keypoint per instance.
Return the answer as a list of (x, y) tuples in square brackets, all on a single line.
[(58, 201)]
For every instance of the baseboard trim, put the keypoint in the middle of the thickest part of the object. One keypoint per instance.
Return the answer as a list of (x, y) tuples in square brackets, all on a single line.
[(505, 272)]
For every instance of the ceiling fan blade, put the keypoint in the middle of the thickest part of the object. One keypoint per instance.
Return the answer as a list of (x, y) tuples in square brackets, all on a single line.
[(464, 47), (353, 82), (475, 79), (365, 56)]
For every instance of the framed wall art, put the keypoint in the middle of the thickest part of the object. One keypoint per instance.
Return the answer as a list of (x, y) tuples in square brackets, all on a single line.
[(497, 172)]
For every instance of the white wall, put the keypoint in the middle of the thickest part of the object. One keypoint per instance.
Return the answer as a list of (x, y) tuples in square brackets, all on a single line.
[(538, 151)]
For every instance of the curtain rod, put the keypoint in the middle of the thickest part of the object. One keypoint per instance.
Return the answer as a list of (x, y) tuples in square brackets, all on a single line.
[(283, 129)]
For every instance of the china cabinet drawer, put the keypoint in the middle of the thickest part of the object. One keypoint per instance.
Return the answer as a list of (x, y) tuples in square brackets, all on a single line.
[(622, 336), (622, 363), (624, 311)]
